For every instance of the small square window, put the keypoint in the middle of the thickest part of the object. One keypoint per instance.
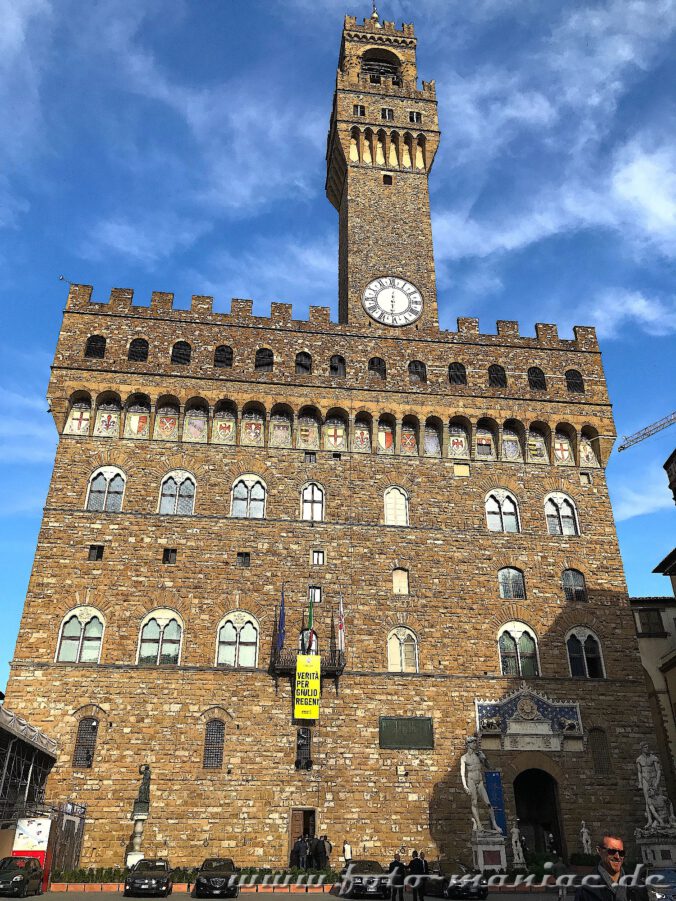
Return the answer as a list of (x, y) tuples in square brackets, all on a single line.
[(387, 114), (415, 116), (585, 478), (337, 456), (169, 555), (314, 594), (95, 552), (461, 469), (310, 457), (243, 558), (387, 180), (358, 110), (318, 558)]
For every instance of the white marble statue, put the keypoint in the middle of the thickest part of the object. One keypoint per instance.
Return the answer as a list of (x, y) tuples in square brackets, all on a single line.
[(517, 849), (585, 836), (472, 765), (649, 772)]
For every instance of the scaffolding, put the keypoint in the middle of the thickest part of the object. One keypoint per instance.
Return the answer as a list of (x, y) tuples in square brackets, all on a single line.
[(27, 756)]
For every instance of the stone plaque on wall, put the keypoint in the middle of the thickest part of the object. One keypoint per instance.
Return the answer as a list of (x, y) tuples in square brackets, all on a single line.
[(406, 732)]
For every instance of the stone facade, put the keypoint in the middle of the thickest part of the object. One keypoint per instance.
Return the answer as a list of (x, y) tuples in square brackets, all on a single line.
[(525, 439)]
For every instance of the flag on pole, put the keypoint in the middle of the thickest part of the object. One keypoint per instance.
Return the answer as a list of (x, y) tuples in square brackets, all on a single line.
[(310, 624), (281, 624), (341, 626)]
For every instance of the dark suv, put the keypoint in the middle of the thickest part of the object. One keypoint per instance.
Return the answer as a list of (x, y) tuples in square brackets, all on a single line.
[(218, 877), (149, 877), (20, 876), (364, 878)]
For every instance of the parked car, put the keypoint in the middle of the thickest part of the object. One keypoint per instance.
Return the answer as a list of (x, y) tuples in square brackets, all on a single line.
[(366, 878), (452, 879), (217, 877), (149, 877), (20, 876)]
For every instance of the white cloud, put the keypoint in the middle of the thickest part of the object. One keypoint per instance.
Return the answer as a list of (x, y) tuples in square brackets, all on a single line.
[(644, 184), (27, 432), (615, 309), (643, 495), (146, 240)]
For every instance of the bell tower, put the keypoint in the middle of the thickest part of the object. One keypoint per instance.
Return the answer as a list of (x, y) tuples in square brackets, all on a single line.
[(383, 136)]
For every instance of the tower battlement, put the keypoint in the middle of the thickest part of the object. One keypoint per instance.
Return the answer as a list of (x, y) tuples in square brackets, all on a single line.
[(373, 26)]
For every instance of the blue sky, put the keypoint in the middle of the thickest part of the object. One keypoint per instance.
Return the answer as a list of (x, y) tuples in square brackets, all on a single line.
[(179, 146)]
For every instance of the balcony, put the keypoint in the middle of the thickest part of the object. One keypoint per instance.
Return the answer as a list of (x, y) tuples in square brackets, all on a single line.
[(283, 663)]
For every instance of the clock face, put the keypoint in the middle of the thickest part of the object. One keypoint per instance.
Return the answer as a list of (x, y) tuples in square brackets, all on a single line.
[(392, 301)]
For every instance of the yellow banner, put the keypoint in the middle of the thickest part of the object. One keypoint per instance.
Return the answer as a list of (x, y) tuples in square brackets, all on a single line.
[(307, 691)]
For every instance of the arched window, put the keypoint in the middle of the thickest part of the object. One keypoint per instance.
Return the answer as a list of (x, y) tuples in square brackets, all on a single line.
[(536, 379), (223, 357), (265, 360), (214, 738), (518, 650), (511, 582), (402, 651), (502, 512), (337, 367), (584, 654), (177, 496), (303, 363), (312, 502), (399, 581), (378, 64), (138, 350), (160, 639), (457, 374), (106, 490), (417, 372), (574, 381), (377, 367), (81, 636), (95, 348), (497, 377), (561, 515), (597, 741), (396, 507), (181, 353), (238, 640), (85, 743), (574, 587), (248, 497)]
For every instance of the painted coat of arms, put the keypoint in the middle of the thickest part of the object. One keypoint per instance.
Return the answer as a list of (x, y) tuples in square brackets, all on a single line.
[(362, 440), (587, 455), (166, 427), (334, 436), (484, 446), (195, 429), (308, 434), (457, 445), (223, 431), (385, 440), (78, 422), (409, 443), (562, 449), (536, 447), (280, 433), (107, 424), (511, 449), (252, 432), (137, 425), (432, 444)]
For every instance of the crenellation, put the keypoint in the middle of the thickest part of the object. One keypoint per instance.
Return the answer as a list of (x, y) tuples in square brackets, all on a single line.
[(242, 309), (201, 304), (546, 333), (79, 296), (585, 336), (468, 326), (121, 299), (281, 313), (508, 328), (320, 316), (161, 302)]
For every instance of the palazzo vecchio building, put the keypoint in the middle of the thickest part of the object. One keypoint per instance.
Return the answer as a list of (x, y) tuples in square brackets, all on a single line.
[(447, 486)]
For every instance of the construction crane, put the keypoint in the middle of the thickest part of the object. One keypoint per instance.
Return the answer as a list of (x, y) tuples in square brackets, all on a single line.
[(648, 431)]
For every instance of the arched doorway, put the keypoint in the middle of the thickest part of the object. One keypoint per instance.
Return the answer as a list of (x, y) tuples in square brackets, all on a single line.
[(536, 798)]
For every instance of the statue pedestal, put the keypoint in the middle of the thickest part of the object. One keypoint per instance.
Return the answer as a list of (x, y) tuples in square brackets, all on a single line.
[(657, 845), (136, 854), (488, 850)]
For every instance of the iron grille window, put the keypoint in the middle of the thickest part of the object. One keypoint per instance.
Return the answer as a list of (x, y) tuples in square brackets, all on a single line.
[(214, 737), (248, 499), (417, 371), (177, 496), (223, 357), (377, 367), (105, 493), (576, 657), (265, 360), (598, 745), (518, 654), (512, 585), (574, 587), (181, 353), (303, 363), (95, 552), (85, 743), (574, 382), (138, 350), (560, 516), (651, 622), (243, 558), (337, 367), (169, 555), (415, 116), (497, 378), (502, 515), (457, 375), (304, 748), (387, 114), (358, 110), (95, 347), (536, 379)]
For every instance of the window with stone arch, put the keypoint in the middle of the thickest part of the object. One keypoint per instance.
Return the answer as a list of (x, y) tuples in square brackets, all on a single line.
[(511, 583), (337, 367), (597, 742), (303, 363), (574, 381), (214, 740), (502, 511), (264, 360), (396, 506), (561, 514), (584, 654), (223, 357), (536, 379), (138, 350), (378, 368), (249, 495), (160, 639), (177, 494), (457, 374), (106, 490), (402, 651), (237, 644), (95, 348), (400, 583), (417, 372), (85, 743), (312, 502), (574, 585), (497, 377), (518, 649), (80, 636), (181, 353)]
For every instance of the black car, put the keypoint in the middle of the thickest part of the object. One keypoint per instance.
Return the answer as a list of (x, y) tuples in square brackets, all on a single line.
[(20, 876), (454, 880), (149, 877), (217, 877), (364, 878)]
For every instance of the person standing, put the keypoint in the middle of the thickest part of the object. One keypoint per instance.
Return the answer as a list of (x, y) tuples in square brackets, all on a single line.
[(318, 852), (397, 871), (611, 857), (426, 871), (347, 853), (302, 853), (328, 848), (416, 869)]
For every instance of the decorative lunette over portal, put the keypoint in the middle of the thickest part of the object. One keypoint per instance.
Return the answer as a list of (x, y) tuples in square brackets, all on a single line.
[(525, 720)]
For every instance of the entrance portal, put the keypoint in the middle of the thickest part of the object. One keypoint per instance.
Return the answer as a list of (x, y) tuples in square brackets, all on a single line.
[(302, 822), (536, 798)]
